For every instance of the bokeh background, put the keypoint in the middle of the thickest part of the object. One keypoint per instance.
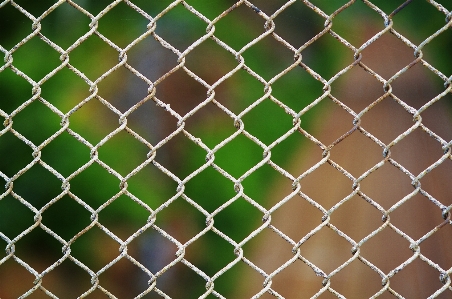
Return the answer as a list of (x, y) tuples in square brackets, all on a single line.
[(122, 89)]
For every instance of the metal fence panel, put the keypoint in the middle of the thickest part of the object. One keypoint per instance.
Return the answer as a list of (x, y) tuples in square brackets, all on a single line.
[(194, 149)]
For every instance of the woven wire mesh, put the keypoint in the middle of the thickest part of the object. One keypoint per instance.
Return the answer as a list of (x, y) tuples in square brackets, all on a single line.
[(173, 136)]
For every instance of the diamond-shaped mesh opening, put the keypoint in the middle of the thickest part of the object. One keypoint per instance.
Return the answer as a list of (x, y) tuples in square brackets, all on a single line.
[(181, 220), (210, 242), (59, 281), (66, 218), (298, 225), (151, 59), (133, 89), (391, 124), (65, 90), (122, 17), (436, 116), (290, 28), (436, 52), (419, 288), (211, 125), (386, 257), (347, 154), (326, 185), (10, 36), (408, 150), (36, 115), (255, 185), (432, 249), (391, 56), (43, 252), (153, 251), (238, 155), (357, 210), (320, 251), (157, 123), (229, 28), (65, 146), (339, 119), (10, 224), (93, 49), (201, 59), (438, 186), (321, 55), (386, 185), (184, 98), (36, 8), (239, 91), (239, 275), (95, 249), (12, 98), (329, 7), (36, 59), (433, 20), (210, 198), (66, 34), (280, 154), (123, 217), (357, 89), (301, 273), (186, 279), (151, 186), (417, 216), (360, 274), (416, 93), (356, 35), (297, 89), (37, 186), (189, 27), (268, 58), (93, 121), (119, 279), (177, 150), (243, 214), (16, 280), (101, 185), (267, 121), (123, 153), (16, 154), (142, 119)]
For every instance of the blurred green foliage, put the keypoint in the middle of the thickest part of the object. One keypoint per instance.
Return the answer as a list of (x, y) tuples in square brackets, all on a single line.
[(93, 121)]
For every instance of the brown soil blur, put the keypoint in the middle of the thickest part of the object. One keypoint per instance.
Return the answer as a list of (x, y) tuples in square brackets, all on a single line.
[(386, 186)]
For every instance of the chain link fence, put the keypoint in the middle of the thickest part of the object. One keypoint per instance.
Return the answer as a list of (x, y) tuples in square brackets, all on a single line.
[(211, 184)]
